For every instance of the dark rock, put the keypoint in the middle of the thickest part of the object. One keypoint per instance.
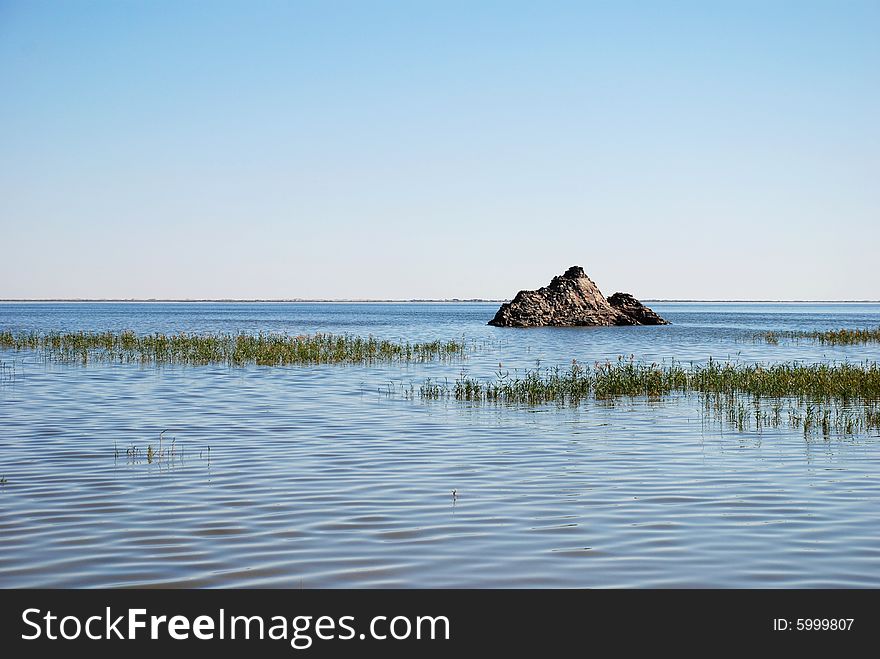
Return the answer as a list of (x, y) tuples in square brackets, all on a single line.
[(632, 308), (572, 299)]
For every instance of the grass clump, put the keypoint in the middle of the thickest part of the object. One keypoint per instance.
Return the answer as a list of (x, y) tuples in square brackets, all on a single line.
[(826, 398), (841, 337), (629, 378), (231, 349)]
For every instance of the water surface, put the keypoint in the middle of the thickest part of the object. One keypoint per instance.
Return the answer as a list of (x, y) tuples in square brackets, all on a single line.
[(326, 476)]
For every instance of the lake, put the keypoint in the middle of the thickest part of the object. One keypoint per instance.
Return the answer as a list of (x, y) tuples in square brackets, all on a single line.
[(332, 476)]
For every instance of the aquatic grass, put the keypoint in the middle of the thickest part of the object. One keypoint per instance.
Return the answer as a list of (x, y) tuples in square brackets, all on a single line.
[(841, 337), (839, 381), (232, 349), (826, 398), (7, 372), (163, 453), (823, 418)]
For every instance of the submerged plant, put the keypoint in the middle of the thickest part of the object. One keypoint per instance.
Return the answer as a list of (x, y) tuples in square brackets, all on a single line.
[(7, 372), (162, 453)]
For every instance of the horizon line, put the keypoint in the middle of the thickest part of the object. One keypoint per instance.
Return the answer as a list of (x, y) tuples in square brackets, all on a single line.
[(410, 300)]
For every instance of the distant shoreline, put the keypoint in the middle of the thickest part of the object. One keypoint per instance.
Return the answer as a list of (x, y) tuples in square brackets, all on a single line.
[(241, 300), (389, 301), (773, 301)]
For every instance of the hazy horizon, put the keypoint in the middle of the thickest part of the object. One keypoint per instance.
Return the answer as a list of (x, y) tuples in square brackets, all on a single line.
[(419, 299), (387, 150)]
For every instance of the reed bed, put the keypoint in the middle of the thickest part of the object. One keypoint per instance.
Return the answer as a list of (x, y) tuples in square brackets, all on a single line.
[(231, 349), (825, 418), (841, 337), (843, 397), (842, 381)]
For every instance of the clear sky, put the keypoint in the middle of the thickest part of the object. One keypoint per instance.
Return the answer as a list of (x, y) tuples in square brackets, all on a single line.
[(372, 149)]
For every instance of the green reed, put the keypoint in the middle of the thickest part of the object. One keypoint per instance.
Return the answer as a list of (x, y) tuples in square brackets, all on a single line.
[(231, 349), (843, 381), (841, 337), (826, 398), (826, 418)]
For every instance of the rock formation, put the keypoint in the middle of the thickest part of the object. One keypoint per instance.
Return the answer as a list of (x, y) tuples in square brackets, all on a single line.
[(634, 310), (572, 299)]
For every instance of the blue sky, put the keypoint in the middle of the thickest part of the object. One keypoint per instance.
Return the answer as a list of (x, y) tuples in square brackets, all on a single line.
[(439, 149)]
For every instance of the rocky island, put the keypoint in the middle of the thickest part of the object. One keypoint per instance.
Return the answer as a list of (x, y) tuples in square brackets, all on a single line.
[(571, 300)]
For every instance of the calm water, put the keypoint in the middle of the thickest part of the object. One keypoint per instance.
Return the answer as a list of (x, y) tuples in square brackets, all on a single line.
[(318, 477)]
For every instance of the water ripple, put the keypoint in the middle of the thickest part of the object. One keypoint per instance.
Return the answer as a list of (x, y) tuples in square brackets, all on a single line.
[(316, 477)]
